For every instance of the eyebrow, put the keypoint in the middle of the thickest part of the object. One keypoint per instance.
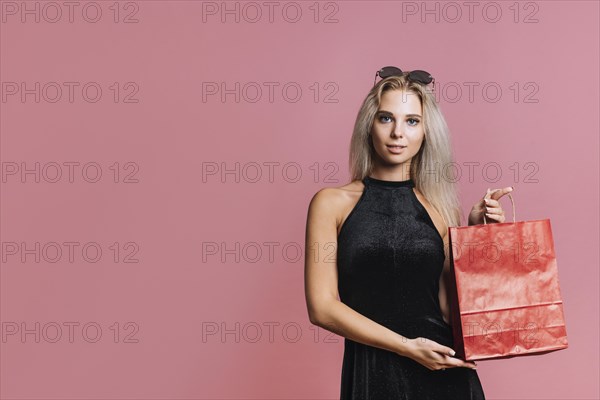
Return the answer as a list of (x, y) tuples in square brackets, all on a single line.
[(392, 114)]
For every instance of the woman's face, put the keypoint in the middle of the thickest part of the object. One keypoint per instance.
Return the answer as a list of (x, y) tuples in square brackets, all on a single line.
[(399, 121)]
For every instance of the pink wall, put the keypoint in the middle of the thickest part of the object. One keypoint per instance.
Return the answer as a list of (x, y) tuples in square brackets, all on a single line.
[(171, 213)]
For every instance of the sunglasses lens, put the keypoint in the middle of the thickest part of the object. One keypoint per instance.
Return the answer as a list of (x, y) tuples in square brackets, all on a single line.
[(421, 76), (389, 71)]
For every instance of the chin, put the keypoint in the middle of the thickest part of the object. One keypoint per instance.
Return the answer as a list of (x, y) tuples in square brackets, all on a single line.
[(394, 161)]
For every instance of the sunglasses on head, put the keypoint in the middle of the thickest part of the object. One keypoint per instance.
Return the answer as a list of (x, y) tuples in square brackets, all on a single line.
[(423, 77)]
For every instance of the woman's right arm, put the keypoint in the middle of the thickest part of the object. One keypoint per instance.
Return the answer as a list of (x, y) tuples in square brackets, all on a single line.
[(322, 299), (321, 281)]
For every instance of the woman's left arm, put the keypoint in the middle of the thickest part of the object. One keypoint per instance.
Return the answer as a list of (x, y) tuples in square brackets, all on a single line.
[(445, 282), (490, 206)]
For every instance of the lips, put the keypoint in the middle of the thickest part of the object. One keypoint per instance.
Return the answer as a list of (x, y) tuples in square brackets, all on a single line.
[(395, 148)]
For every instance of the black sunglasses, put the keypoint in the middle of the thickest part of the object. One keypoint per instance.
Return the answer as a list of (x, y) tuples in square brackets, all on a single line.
[(423, 77)]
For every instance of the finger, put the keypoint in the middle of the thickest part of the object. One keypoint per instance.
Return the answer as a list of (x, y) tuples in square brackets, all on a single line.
[(496, 217), (498, 193), (494, 210), (445, 350), (457, 362), (492, 203), (496, 214), (488, 193), (469, 365)]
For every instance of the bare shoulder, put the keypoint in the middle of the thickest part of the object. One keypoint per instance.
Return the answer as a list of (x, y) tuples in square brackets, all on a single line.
[(337, 201), (437, 219)]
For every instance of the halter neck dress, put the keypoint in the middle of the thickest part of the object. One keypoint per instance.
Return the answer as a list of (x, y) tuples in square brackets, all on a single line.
[(390, 257)]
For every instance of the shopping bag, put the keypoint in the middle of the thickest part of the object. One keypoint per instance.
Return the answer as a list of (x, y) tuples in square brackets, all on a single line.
[(505, 297)]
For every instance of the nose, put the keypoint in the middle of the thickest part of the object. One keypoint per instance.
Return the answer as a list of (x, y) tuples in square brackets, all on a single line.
[(397, 131)]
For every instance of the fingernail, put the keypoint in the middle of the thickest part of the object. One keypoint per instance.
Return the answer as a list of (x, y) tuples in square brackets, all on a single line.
[(452, 352), (486, 201)]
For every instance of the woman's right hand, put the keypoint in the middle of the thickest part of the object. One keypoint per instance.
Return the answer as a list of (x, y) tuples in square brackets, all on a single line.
[(435, 356)]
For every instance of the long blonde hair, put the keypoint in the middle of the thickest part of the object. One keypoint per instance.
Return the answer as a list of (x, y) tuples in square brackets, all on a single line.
[(429, 165)]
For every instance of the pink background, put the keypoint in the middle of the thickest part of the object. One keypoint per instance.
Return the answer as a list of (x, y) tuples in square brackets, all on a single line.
[(172, 294)]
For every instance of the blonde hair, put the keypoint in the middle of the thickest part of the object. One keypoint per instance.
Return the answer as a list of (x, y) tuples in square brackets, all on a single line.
[(429, 165)]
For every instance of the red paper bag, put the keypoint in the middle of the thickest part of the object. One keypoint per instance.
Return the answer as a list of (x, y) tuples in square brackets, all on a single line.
[(505, 298)]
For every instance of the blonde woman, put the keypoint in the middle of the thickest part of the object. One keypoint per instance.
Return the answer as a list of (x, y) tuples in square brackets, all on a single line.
[(388, 227)]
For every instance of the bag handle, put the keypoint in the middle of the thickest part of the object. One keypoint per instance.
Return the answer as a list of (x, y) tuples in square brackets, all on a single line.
[(513, 207)]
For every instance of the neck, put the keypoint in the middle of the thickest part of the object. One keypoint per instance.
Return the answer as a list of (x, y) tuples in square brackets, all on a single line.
[(384, 172)]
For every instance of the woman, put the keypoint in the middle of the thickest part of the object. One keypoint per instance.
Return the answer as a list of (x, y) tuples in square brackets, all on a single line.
[(388, 229)]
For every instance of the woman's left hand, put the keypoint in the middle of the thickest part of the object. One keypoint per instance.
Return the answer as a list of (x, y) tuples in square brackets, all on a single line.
[(490, 206)]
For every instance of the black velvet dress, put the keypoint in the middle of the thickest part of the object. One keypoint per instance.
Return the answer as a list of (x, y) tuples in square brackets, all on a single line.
[(390, 257)]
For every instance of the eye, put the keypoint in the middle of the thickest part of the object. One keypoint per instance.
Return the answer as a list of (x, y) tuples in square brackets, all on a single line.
[(383, 116), (413, 119)]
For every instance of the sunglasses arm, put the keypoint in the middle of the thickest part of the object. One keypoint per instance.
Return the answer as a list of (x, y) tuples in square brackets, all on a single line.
[(375, 80)]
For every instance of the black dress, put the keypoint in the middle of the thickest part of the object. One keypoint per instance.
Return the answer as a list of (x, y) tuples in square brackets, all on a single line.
[(390, 257)]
